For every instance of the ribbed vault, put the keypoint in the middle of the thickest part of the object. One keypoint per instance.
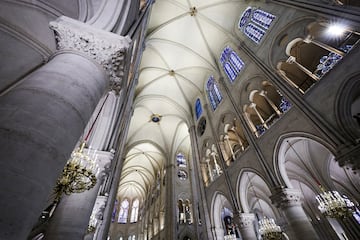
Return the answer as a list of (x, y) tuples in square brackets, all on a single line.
[(183, 44)]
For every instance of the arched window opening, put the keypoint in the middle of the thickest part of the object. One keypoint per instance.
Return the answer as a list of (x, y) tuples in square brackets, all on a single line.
[(254, 23), (355, 3), (134, 211), (182, 175), (265, 108), (124, 211), (231, 63), (312, 57), (233, 142), (113, 214), (198, 108), (181, 160), (210, 167), (181, 212), (132, 237), (188, 212), (213, 92)]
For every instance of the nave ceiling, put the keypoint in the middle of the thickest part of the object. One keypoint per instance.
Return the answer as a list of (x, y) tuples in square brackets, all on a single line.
[(182, 47)]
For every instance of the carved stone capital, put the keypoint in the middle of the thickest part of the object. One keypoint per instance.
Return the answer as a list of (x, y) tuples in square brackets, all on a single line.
[(287, 197), (99, 207), (106, 48), (103, 160), (246, 220)]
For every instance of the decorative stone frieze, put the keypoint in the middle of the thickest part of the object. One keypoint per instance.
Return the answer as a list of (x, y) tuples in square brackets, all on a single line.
[(106, 48), (287, 197)]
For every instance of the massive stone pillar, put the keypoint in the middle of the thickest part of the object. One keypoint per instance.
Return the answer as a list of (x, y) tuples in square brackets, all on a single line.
[(42, 118), (71, 218), (246, 228), (40, 122), (290, 200)]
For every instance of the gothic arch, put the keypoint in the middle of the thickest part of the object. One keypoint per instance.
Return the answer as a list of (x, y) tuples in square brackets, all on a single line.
[(347, 108), (253, 194), (218, 203), (294, 29), (278, 155)]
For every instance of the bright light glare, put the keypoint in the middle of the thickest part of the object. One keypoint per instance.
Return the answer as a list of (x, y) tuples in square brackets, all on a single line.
[(336, 30)]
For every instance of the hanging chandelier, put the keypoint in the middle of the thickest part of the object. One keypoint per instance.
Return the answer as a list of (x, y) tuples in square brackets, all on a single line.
[(333, 205), (79, 173), (269, 230)]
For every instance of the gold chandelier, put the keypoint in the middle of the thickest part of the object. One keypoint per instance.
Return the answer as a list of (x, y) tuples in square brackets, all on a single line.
[(79, 173), (334, 205), (269, 230)]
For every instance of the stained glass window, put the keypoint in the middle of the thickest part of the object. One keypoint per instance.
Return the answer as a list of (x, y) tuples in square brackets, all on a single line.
[(213, 92), (134, 211), (113, 214), (124, 211), (198, 108), (262, 18), (254, 32), (254, 23), (232, 63), (181, 160), (182, 175)]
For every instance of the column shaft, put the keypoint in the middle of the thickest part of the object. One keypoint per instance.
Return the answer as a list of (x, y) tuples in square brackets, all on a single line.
[(246, 228), (40, 122)]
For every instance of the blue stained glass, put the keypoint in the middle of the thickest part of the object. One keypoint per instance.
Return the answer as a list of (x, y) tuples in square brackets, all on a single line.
[(244, 17), (262, 18), (214, 94), (236, 62), (284, 104), (232, 64), (198, 108), (254, 32), (230, 72)]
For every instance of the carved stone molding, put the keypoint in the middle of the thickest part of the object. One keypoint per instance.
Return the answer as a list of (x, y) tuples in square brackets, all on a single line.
[(287, 197), (106, 48), (246, 220)]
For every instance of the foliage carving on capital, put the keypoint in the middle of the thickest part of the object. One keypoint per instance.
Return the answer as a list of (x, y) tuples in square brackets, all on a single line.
[(246, 220), (106, 48), (287, 197)]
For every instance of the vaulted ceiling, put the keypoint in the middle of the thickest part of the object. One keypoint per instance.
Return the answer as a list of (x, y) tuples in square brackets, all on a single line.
[(183, 44)]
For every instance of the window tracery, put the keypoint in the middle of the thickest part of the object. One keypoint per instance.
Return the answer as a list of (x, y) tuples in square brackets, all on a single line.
[(254, 23), (231, 62), (213, 91), (198, 108), (134, 211), (124, 211)]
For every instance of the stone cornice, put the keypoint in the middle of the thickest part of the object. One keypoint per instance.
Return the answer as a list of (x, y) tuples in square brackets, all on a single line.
[(106, 48)]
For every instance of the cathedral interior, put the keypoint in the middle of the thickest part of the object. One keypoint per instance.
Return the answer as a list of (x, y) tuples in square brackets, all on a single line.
[(179, 119)]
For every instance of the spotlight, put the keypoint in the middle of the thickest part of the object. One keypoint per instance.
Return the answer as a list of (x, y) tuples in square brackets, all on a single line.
[(336, 30)]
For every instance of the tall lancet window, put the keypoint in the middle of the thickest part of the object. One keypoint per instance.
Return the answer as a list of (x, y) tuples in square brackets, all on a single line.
[(198, 108), (134, 211), (124, 211), (231, 62), (213, 92)]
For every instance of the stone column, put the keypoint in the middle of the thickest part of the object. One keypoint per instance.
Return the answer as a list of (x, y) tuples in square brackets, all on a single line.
[(218, 233), (72, 215), (43, 117), (170, 203), (290, 200), (246, 228), (40, 122)]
